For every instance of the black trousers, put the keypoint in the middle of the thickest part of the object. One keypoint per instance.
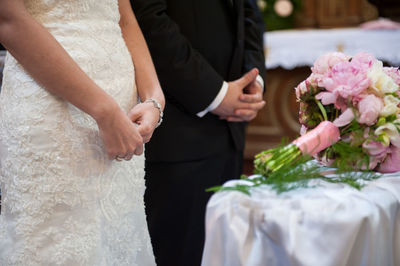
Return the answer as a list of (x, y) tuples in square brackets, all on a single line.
[(176, 200)]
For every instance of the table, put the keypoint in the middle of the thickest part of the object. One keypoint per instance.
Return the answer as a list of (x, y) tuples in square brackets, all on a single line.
[(294, 48), (326, 225)]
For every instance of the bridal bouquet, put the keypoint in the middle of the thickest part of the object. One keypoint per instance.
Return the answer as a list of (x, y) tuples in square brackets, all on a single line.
[(349, 116), (350, 120)]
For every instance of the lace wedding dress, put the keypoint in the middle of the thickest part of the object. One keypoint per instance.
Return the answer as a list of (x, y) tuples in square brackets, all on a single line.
[(63, 201)]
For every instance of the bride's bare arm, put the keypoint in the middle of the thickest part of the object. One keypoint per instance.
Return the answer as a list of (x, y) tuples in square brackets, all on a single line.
[(146, 78), (51, 66)]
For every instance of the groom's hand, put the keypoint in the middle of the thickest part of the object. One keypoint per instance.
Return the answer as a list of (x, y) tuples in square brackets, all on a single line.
[(237, 106), (253, 93)]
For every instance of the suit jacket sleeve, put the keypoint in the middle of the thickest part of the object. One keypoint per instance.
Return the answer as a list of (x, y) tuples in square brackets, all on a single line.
[(186, 77), (253, 41)]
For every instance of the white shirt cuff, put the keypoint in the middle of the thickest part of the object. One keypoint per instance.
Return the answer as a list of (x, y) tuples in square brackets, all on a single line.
[(260, 80), (220, 96)]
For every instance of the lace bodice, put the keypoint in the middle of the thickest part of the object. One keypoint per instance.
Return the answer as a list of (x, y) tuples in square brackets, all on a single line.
[(90, 33), (63, 201), (73, 11)]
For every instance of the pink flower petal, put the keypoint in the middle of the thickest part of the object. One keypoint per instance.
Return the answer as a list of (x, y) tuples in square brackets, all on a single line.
[(345, 118), (326, 97), (392, 162), (375, 147)]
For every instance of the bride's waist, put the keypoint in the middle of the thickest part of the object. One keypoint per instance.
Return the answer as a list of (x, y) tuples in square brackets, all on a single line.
[(90, 40), (85, 30)]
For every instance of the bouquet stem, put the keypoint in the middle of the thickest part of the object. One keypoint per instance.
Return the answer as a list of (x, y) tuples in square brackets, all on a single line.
[(311, 143)]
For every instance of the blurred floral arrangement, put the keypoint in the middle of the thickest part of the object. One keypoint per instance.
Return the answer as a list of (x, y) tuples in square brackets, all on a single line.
[(279, 14), (350, 120)]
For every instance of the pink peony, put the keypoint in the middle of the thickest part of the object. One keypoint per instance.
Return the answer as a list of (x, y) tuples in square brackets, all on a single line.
[(392, 161), (325, 63), (346, 80), (363, 60), (394, 73), (369, 108)]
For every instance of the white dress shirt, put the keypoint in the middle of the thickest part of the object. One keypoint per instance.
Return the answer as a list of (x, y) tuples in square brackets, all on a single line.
[(221, 95)]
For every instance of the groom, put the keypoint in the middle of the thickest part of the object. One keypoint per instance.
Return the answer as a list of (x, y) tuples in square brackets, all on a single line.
[(202, 50)]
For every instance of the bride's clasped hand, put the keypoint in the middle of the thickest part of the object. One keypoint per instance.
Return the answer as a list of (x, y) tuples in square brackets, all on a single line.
[(120, 136), (124, 135), (147, 115)]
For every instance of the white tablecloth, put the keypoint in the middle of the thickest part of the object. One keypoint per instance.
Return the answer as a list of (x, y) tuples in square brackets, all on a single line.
[(295, 48), (331, 225)]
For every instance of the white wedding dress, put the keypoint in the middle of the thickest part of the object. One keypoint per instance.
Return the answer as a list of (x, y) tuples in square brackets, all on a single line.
[(63, 201)]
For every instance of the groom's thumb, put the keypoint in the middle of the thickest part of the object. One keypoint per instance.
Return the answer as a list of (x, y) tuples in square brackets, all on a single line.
[(248, 78)]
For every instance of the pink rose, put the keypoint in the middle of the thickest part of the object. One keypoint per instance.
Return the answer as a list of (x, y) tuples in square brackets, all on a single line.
[(375, 147), (392, 161), (325, 63), (369, 108), (377, 152)]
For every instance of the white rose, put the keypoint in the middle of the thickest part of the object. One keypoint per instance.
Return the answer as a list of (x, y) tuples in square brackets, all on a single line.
[(390, 130), (390, 106), (380, 81)]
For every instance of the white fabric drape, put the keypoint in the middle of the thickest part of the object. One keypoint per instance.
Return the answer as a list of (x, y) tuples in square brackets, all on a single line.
[(295, 48), (327, 225)]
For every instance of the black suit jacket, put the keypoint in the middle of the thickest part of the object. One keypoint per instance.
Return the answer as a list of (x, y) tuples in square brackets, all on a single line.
[(195, 46)]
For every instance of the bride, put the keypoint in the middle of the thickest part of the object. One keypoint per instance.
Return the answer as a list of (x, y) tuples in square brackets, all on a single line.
[(72, 133)]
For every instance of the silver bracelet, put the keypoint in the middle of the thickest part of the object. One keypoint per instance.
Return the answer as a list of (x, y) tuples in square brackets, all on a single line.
[(158, 106)]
